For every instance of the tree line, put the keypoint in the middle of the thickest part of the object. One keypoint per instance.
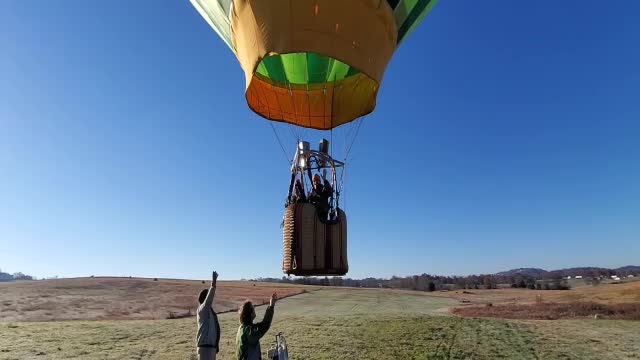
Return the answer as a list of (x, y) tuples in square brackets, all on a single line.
[(426, 282), (542, 280), (15, 276)]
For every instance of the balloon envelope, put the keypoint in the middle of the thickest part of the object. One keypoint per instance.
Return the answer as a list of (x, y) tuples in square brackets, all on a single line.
[(313, 63)]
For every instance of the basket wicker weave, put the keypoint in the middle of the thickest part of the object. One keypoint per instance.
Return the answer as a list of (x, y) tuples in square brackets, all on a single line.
[(312, 246)]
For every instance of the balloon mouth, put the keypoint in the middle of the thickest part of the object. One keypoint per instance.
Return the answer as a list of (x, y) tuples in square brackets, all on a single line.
[(310, 90), (303, 68)]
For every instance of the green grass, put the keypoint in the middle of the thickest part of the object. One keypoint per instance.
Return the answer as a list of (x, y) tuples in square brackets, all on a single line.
[(336, 324), (338, 302)]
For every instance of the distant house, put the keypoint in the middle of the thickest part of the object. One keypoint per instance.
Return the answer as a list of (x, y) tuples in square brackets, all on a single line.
[(6, 277), (579, 277), (615, 278), (629, 276), (567, 278)]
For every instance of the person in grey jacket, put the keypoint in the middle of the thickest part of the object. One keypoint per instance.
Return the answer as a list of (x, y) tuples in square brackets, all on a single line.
[(208, 336)]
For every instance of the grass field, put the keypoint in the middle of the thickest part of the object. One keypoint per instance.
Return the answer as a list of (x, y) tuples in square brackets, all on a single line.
[(607, 293), (553, 311), (123, 298), (337, 324)]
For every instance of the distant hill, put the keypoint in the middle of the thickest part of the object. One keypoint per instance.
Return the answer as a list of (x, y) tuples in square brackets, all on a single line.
[(630, 269), (531, 272), (577, 271)]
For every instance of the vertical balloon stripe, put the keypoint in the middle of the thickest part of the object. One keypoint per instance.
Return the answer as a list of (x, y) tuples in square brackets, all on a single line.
[(275, 68), (417, 12), (216, 13), (262, 70), (338, 71), (415, 23), (402, 11), (226, 6), (295, 67), (317, 67)]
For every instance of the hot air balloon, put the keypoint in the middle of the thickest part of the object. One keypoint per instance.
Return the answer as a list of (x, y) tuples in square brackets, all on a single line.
[(314, 64)]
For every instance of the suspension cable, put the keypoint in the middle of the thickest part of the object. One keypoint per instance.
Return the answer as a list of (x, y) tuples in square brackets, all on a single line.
[(349, 132), (360, 122), (286, 158), (294, 129), (331, 144)]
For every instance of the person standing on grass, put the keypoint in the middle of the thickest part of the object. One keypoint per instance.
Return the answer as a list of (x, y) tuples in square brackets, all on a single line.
[(208, 336), (249, 334)]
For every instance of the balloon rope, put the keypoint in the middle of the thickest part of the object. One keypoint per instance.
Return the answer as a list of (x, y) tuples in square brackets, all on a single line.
[(331, 148), (286, 158), (294, 130), (350, 126), (360, 122)]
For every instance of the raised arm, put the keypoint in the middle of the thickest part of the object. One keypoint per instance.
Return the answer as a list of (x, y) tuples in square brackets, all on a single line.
[(258, 330), (212, 290)]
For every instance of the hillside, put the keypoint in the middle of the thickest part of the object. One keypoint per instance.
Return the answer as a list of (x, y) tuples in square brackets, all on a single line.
[(629, 269), (575, 271), (531, 272)]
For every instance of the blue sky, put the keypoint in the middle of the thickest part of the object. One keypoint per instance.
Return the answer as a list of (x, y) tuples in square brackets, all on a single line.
[(506, 135)]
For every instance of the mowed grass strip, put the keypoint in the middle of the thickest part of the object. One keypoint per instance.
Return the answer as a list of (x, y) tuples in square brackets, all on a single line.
[(587, 339), (351, 301)]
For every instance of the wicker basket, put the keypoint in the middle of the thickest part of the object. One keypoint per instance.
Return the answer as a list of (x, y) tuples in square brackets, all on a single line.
[(312, 246)]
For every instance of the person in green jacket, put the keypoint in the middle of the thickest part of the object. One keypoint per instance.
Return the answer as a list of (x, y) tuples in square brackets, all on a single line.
[(249, 334)]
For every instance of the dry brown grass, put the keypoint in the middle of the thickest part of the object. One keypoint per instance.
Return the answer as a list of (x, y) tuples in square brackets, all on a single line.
[(553, 311), (612, 301), (123, 298), (621, 293)]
